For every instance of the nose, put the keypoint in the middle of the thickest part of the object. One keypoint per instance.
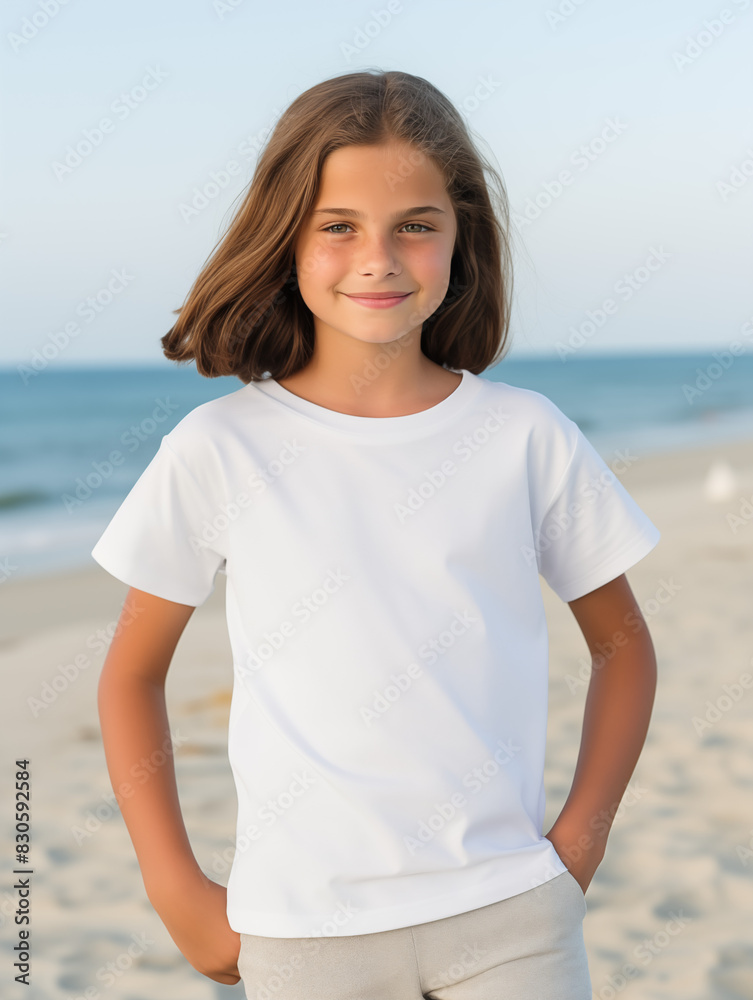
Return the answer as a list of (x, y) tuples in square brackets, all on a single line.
[(377, 257)]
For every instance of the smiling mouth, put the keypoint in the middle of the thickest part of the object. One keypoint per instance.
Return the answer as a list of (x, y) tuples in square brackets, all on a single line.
[(383, 300), (376, 295)]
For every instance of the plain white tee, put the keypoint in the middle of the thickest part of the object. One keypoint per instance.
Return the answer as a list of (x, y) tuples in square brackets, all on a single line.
[(390, 651)]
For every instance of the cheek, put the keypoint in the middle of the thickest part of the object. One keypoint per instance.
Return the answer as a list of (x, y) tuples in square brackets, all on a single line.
[(432, 263), (317, 263)]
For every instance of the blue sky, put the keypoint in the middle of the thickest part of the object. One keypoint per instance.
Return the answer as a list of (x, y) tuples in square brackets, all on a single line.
[(189, 87)]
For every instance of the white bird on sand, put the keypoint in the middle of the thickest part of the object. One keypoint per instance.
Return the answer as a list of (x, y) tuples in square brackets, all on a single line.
[(721, 481)]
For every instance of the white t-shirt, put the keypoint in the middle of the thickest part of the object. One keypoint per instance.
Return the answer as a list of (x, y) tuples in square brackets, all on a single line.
[(390, 651)]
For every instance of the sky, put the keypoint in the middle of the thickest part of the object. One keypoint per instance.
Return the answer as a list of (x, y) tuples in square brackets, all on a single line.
[(646, 106)]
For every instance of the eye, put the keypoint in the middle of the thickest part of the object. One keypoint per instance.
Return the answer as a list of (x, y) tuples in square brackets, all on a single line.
[(334, 225)]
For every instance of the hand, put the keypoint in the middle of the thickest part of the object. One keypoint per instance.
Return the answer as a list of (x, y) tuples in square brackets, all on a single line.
[(580, 853), (195, 915)]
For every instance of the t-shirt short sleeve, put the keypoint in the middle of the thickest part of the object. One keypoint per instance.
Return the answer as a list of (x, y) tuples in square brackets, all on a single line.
[(592, 530), (154, 541)]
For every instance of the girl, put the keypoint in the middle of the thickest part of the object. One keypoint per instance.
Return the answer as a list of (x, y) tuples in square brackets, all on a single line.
[(382, 515)]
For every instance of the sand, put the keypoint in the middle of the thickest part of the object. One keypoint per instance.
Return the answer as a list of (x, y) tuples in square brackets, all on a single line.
[(670, 909)]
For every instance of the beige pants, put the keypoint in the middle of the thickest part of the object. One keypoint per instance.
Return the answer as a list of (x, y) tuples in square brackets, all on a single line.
[(526, 947)]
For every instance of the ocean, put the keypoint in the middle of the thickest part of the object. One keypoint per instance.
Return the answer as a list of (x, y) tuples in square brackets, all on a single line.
[(61, 427)]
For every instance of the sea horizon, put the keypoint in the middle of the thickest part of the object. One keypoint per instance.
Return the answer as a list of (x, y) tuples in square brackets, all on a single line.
[(63, 422)]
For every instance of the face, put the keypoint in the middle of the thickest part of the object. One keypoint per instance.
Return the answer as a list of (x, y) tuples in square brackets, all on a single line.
[(377, 241)]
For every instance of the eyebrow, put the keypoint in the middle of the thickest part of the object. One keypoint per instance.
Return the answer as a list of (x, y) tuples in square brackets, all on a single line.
[(419, 210)]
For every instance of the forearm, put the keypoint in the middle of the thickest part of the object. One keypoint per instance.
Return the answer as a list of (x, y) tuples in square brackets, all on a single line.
[(615, 723), (138, 750)]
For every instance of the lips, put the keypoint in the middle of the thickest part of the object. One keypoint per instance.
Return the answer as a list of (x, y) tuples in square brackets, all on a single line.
[(379, 300), (377, 295)]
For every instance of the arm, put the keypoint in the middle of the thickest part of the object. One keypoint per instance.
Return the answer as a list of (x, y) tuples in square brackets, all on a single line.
[(136, 734), (618, 709)]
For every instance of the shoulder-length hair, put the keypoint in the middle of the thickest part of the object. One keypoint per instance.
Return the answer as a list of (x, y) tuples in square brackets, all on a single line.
[(244, 314)]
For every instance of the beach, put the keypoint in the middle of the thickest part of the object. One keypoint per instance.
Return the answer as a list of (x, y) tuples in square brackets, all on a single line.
[(668, 910)]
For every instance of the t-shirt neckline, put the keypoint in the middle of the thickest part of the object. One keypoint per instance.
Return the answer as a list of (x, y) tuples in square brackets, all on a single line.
[(407, 423)]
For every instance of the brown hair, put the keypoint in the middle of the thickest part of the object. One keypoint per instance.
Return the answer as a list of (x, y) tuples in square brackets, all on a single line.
[(244, 314)]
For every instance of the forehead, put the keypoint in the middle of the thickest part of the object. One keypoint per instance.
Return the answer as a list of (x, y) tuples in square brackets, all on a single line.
[(393, 171)]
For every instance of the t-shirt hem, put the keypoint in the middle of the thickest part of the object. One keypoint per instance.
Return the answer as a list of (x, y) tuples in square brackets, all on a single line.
[(130, 577), (612, 568), (492, 890)]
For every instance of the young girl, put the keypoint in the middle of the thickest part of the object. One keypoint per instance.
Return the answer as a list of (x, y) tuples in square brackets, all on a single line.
[(382, 515)]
